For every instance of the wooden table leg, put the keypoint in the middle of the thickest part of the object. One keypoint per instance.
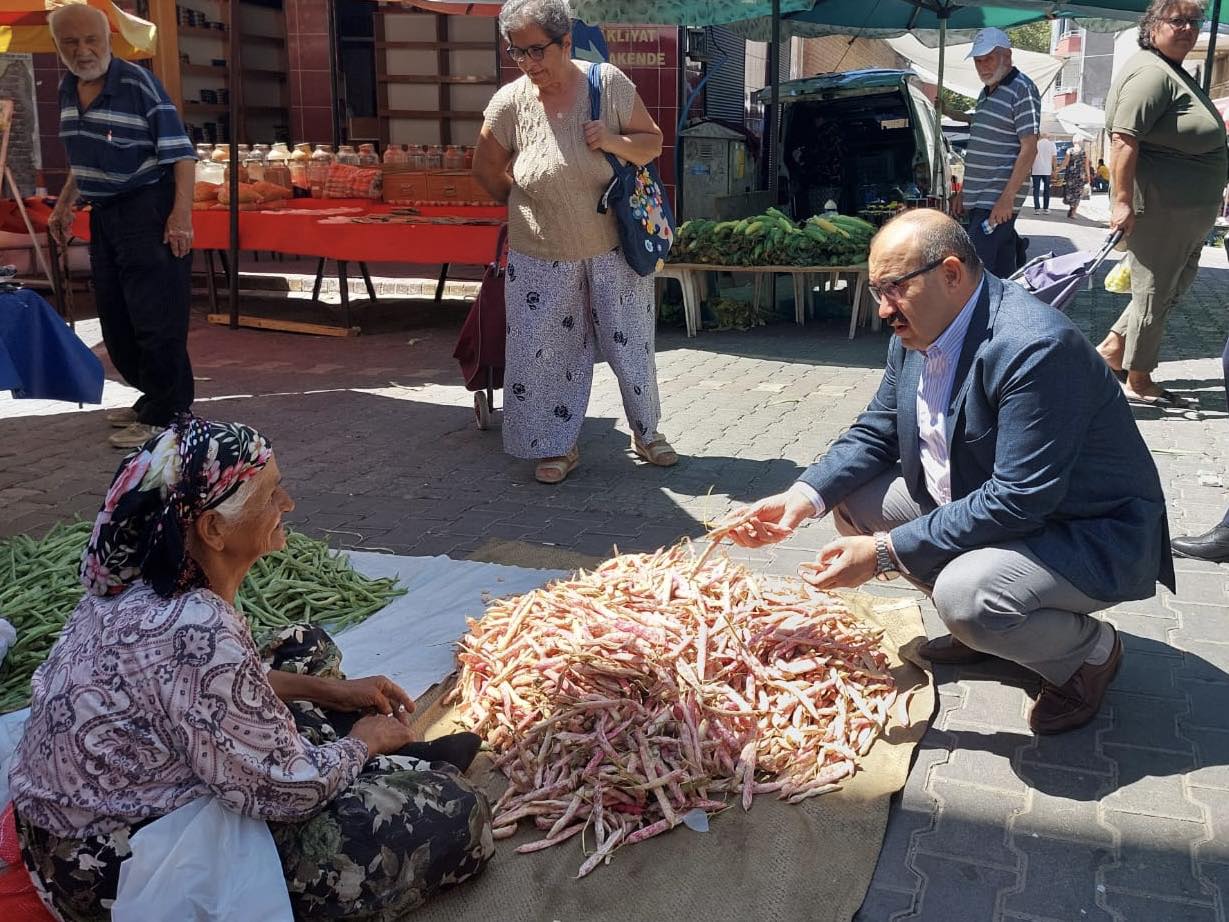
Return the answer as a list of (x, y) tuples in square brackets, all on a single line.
[(856, 310), (439, 288), (800, 305), (343, 282), (371, 289), (211, 283), (319, 279), (691, 306)]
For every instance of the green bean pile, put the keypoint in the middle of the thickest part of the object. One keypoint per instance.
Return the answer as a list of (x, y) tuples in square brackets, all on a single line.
[(39, 589)]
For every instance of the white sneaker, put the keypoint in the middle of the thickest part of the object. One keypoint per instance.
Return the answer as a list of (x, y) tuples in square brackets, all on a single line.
[(1047, 211), (122, 418), (134, 436)]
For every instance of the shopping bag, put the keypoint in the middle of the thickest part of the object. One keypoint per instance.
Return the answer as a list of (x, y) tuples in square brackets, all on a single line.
[(638, 199), (18, 898), (484, 335), (1118, 279), (202, 863)]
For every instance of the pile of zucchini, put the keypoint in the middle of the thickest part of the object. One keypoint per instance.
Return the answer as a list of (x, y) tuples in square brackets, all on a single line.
[(773, 239)]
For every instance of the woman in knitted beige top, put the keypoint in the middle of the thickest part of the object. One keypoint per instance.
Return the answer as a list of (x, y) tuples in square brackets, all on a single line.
[(569, 291)]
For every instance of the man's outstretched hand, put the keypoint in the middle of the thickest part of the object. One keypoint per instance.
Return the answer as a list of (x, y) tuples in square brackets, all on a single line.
[(770, 520)]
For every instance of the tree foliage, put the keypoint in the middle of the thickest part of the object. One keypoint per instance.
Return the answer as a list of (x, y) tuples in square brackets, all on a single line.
[(1033, 37)]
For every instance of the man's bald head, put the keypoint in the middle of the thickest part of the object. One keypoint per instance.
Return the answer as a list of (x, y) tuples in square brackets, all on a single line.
[(924, 269), (83, 37), (928, 234)]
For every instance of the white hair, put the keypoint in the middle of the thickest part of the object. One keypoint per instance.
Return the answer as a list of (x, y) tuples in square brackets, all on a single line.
[(232, 509), (67, 11), (554, 17)]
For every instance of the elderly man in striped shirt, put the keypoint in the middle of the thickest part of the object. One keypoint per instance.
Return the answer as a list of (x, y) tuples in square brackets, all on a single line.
[(131, 160), (1002, 147)]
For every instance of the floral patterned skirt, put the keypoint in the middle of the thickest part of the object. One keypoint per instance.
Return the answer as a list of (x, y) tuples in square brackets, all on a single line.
[(560, 315), (402, 832)]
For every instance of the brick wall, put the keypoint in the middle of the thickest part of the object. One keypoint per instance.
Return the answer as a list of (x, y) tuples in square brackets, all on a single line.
[(835, 53), (17, 84), (47, 76)]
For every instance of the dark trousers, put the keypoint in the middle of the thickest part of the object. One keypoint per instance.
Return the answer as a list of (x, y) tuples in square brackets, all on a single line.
[(997, 249), (143, 297), (1041, 191)]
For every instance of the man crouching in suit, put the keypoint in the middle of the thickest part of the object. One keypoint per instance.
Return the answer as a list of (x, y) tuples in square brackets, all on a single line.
[(998, 469)]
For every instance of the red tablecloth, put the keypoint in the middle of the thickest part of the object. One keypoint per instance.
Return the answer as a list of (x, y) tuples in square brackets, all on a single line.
[(297, 230)]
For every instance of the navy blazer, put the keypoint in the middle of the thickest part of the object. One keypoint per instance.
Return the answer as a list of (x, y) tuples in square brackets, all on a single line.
[(1043, 449)]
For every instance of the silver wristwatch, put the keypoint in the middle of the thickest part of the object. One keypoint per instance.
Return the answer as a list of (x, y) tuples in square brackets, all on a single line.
[(885, 568)]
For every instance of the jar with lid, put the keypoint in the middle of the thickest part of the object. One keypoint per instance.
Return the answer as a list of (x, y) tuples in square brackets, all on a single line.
[(221, 153), (367, 155), (204, 152), (254, 166), (277, 166), (414, 157), (346, 155), (298, 168), (453, 158), (393, 153), (318, 168), (435, 157), (469, 157)]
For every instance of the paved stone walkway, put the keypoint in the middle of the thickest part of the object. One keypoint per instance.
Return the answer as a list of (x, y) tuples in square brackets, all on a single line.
[(1127, 819)]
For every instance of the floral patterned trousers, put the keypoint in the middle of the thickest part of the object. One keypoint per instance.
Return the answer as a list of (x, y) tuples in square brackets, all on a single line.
[(402, 832), (559, 313)]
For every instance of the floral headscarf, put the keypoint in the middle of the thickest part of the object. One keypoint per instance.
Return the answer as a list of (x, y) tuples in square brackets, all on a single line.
[(157, 493)]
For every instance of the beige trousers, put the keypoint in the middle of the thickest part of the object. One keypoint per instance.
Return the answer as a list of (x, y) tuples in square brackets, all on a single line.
[(1165, 247)]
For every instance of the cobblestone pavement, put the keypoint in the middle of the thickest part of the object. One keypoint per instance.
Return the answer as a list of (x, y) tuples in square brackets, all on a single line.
[(1127, 819)]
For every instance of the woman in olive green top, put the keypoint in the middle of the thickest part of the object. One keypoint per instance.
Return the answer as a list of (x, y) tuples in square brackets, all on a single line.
[(1169, 166)]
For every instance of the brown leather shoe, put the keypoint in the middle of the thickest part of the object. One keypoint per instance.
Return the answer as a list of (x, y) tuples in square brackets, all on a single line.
[(950, 652), (1073, 704)]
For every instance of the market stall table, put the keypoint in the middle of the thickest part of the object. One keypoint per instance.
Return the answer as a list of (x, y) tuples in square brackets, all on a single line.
[(351, 230), (690, 278)]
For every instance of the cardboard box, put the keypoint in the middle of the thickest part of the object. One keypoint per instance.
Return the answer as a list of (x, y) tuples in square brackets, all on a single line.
[(402, 184)]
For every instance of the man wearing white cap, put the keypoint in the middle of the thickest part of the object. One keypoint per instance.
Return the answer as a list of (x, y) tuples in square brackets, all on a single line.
[(1002, 148)]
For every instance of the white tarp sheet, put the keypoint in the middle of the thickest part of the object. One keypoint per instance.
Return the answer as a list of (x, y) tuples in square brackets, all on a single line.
[(960, 75), (411, 640)]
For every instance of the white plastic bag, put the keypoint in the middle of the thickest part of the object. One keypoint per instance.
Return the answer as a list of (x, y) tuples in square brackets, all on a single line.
[(8, 634), (202, 863)]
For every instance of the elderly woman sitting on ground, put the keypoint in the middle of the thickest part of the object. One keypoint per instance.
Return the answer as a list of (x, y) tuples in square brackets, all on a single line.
[(155, 695)]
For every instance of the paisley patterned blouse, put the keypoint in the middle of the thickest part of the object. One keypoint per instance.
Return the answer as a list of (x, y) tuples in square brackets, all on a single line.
[(146, 704)]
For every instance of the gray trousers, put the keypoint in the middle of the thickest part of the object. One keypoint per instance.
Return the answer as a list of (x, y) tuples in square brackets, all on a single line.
[(1165, 248), (999, 599)]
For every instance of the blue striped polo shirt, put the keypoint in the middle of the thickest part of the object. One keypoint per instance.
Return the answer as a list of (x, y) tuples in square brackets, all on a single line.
[(127, 136), (1001, 119)]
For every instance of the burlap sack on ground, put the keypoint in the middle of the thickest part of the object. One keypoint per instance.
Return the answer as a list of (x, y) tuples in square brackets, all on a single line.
[(810, 862)]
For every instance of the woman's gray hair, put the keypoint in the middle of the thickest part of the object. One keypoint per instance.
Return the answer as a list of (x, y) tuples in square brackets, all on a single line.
[(554, 17), (233, 508), (1154, 15)]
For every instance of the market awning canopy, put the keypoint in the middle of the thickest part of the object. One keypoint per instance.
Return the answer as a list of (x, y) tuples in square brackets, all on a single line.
[(960, 75), (456, 9), (1081, 115), (23, 28)]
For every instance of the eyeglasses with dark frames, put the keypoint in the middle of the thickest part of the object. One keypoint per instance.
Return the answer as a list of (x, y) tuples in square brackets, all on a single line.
[(891, 288), (533, 52)]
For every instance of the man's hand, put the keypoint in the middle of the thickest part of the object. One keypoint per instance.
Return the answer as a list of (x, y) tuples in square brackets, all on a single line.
[(770, 520), (60, 224), (598, 136), (378, 693), (178, 234), (845, 563), (381, 735), (1002, 212), (1122, 218)]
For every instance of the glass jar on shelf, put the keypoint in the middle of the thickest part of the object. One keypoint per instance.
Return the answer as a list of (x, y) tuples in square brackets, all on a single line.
[(221, 153), (394, 154), (469, 157), (277, 166), (367, 155), (298, 168), (318, 168), (254, 166), (435, 157), (204, 152), (453, 158), (346, 155)]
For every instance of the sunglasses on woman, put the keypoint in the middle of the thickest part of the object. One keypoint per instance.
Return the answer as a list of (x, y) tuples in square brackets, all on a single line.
[(533, 52), (1182, 22)]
